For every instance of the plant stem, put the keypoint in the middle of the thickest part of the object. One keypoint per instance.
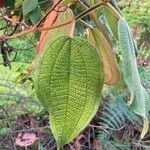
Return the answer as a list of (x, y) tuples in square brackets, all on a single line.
[(53, 8), (85, 23), (116, 13), (77, 18), (96, 20), (87, 11)]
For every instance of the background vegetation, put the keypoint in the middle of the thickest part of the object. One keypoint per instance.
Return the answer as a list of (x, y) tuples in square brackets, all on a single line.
[(115, 127)]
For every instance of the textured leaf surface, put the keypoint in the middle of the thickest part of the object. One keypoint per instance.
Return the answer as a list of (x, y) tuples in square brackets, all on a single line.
[(107, 55), (68, 84), (53, 19), (140, 100)]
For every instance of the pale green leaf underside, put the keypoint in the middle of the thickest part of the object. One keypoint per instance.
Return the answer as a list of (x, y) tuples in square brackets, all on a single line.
[(69, 81), (139, 96)]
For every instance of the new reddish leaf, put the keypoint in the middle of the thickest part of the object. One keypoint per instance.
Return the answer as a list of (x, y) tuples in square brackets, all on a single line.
[(59, 16)]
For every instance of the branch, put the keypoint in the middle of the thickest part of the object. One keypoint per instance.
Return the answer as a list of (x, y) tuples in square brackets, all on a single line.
[(113, 10), (95, 18), (36, 28), (87, 11), (18, 22), (53, 8)]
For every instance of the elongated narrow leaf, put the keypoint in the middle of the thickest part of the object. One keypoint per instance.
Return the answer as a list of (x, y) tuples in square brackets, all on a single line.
[(145, 127), (140, 100), (68, 84), (107, 55), (111, 18), (53, 19)]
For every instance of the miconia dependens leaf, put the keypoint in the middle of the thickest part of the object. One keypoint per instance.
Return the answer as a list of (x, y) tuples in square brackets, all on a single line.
[(140, 100), (69, 80), (107, 55)]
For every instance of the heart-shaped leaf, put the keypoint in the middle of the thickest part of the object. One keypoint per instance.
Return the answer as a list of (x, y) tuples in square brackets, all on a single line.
[(68, 83)]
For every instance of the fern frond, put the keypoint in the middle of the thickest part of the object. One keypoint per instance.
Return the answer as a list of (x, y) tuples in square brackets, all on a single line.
[(116, 146), (114, 115), (113, 118)]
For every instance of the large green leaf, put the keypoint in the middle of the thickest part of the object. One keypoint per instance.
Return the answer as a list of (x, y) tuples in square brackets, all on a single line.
[(140, 100), (68, 83), (29, 6)]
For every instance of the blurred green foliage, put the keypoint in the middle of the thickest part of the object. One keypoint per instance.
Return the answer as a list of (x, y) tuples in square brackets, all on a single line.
[(137, 14), (24, 47)]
